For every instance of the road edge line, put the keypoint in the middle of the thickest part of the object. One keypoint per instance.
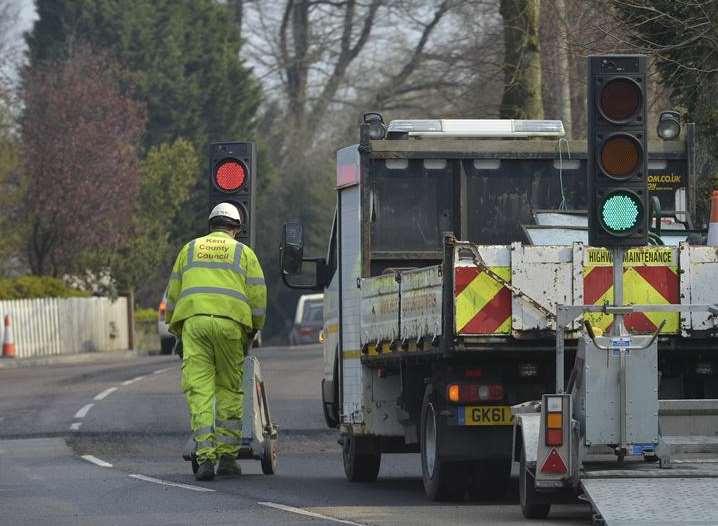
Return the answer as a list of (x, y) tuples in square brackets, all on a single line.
[(82, 412), (168, 483), (133, 380), (104, 394), (306, 513), (96, 461)]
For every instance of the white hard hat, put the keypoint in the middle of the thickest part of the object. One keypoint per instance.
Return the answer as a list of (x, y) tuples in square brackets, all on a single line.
[(227, 210)]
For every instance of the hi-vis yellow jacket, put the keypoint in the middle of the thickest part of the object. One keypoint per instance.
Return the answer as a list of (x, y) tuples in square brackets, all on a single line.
[(216, 275)]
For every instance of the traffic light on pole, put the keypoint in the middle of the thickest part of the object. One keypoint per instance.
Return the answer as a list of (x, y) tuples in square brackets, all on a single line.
[(619, 206), (232, 169)]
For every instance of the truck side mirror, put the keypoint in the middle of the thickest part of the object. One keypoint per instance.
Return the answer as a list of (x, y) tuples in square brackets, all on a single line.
[(292, 248)]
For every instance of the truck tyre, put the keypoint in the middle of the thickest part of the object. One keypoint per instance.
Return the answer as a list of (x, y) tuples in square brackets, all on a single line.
[(331, 408), (330, 416), (442, 480), (533, 504), (359, 465)]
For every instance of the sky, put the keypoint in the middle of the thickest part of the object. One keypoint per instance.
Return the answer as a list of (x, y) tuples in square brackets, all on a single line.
[(27, 16)]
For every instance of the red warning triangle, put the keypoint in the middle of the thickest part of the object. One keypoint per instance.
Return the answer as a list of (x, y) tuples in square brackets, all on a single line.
[(554, 463)]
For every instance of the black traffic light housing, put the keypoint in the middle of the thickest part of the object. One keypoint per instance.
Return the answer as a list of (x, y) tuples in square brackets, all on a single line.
[(619, 205), (232, 172)]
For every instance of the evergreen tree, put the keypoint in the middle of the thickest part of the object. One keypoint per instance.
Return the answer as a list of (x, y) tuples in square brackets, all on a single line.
[(184, 64), (184, 56), (681, 36)]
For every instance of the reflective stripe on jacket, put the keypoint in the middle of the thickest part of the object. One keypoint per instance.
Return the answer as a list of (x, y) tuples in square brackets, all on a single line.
[(216, 275)]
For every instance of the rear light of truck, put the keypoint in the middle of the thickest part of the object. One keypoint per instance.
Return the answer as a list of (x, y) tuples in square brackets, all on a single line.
[(554, 421), (163, 309), (471, 393)]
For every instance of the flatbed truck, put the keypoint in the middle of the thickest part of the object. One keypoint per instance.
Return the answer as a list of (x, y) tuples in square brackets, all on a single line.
[(443, 272)]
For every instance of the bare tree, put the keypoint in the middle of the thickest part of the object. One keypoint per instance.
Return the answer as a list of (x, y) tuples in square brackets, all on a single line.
[(564, 65), (320, 57), (522, 60)]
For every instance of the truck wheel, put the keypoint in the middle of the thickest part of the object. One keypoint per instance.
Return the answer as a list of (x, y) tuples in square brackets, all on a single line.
[(533, 505), (331, 408), (330, 418), (441, 479), (360, 466)]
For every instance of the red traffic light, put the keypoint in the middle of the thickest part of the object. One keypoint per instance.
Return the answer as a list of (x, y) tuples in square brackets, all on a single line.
[(620, 100), (230, 175)]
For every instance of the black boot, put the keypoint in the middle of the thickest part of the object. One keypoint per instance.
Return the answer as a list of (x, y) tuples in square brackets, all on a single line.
[(228, 467), (205, 471)]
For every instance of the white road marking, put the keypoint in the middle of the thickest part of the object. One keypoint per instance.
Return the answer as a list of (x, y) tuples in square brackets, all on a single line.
[(104, 394), (160, 371), (75, 426), (97, 461), (168, 483), (128, 382), (305, 513), (83, 411)]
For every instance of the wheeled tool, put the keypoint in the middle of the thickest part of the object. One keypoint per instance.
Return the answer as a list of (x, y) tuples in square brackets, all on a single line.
[(259, 433)]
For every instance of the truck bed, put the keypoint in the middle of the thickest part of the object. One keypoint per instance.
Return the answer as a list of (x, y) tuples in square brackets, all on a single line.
[(503, 293)]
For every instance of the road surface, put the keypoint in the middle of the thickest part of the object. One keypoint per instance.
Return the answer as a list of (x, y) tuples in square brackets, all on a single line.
[(100, 443)]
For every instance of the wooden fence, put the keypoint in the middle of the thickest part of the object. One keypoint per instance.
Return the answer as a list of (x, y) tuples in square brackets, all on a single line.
[(53, 326)]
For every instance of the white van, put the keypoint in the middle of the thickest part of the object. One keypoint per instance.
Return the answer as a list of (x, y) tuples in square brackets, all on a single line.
[(308, 320)]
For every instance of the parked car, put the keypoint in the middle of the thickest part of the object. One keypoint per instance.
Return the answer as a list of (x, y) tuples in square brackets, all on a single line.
[(308, 320), (167, 340)]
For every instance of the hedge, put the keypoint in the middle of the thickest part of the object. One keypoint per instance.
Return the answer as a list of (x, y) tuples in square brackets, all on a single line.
[(25, 287), (146, 315)]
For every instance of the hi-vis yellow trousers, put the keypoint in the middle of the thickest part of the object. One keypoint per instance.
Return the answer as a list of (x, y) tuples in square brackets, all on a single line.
[(212, 371)]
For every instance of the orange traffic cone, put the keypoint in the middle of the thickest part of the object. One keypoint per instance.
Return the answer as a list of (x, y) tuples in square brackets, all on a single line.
[(8, 345), (713, 226)]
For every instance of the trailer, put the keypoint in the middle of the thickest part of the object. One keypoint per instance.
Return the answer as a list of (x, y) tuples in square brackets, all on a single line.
[(441, 281), (605, 437)]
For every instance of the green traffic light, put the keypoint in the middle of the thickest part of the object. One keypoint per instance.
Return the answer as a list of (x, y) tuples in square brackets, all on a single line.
[(620, 212)]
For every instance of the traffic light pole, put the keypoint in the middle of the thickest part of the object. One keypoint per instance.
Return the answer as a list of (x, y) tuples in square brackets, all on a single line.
[(619, 330), (618, 253)]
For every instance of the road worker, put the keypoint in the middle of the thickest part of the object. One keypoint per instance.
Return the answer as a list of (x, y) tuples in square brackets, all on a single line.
[(216, 302)]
